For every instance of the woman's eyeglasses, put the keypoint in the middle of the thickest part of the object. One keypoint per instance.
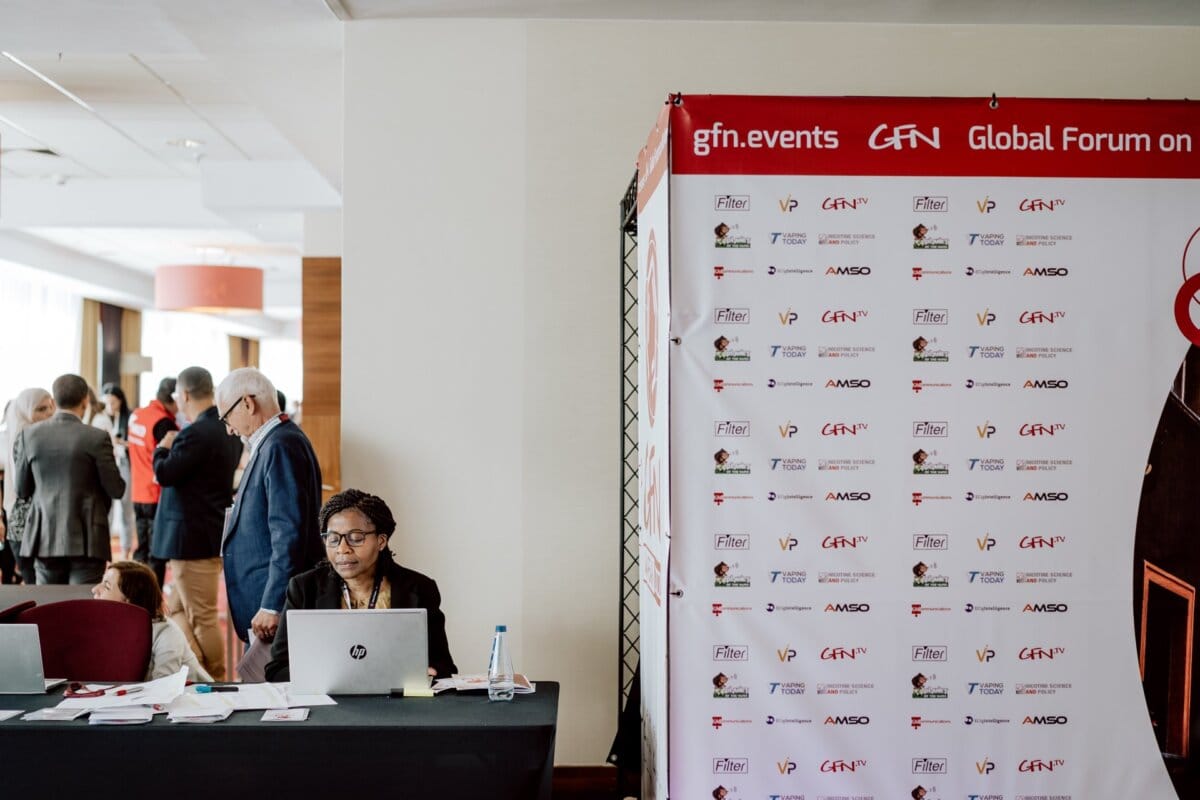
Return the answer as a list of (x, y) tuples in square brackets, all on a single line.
[(353, 538)]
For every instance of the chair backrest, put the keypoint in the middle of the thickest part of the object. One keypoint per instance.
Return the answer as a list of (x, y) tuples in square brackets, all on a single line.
[(92, 640), (11, 613)]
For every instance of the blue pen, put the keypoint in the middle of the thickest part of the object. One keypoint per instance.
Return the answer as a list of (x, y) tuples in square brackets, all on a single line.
[(204, 688)]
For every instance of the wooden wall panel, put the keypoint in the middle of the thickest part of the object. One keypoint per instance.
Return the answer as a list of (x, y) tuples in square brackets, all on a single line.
[(321, 337)]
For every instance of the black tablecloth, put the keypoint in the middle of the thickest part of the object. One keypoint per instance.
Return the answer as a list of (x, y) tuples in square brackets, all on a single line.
[(449, 746)]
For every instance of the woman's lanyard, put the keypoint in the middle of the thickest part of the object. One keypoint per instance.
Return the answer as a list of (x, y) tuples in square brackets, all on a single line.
[(374, 592)]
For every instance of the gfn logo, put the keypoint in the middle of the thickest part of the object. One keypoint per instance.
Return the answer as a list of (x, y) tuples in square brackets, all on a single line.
[(1040, 542), (788, 317), (788, 204), (985, 654), (856, 497), (986, 206), (843, 428), (1040, 317), (986, 431), (1038, 204), (897, 137), (834, 317), (842, 542), (842, 203), (1040, 764), (1040, 653), (786, 654), (1040, 429), (985, 767), (785, 767), (839, 765), (1046, 497), (985, 317), (842, 653)]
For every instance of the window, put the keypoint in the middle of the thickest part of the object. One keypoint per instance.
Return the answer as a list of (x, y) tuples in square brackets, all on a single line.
[(39, 329)]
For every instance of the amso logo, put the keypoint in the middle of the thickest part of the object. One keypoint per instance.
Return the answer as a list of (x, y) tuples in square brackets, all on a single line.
[(1047, 720), (849, 271), (848, 608), (848, 383), (1046, 272), (860, 497), (1044, 608), (858, 720), (1046, 497), (1046, 384), (897, 137)]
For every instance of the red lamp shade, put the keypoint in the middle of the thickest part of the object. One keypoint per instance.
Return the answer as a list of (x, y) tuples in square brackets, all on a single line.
[(195, 287)]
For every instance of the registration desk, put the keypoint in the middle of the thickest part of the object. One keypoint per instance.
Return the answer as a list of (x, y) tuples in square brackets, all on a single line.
[(449, 746)]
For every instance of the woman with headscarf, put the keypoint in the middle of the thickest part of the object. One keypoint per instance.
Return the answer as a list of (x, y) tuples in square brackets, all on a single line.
[(30, 406)]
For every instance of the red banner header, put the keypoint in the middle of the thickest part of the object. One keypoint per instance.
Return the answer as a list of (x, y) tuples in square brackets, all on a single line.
[(1019, 137)]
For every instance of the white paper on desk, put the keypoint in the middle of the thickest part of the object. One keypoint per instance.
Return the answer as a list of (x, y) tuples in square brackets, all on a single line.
[(54, 714), (475, 683), (199, 708), (6, 714), (297, 700), (162, 691), (129, 715)]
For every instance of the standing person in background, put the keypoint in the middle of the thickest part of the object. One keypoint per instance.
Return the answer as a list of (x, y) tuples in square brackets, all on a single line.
[(94, 408), (195, 469), (30, 406), (116, 412), (69, 471), (272, 533), (147, 427)]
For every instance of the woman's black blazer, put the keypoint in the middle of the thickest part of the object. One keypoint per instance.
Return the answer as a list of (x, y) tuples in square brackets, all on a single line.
[(321, 587)]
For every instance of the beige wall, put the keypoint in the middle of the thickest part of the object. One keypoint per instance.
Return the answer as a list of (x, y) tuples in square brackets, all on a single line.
[(484, 161)]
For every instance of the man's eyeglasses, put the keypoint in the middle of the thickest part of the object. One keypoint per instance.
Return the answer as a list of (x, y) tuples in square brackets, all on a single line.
[(353, 538), (229, 410)]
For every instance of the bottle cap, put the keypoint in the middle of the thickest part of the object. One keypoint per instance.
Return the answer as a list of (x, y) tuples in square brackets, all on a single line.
[(501, 629)]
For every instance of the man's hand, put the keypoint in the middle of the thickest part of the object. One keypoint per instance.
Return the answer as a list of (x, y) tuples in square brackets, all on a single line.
[(168, 440), (3, 531), (264, 625)]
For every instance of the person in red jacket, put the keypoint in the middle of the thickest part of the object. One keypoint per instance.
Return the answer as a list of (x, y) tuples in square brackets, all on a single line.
[(147, 427)]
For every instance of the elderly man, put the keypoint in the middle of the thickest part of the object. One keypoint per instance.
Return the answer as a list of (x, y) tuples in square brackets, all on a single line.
[(272, 530), (69, 470), (195, 469)]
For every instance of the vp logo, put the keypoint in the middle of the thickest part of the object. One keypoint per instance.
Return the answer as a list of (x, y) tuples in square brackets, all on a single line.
[(358, 652), (898, 137)]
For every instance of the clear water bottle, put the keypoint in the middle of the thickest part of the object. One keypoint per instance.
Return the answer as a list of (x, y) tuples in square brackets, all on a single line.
[(500, 668)]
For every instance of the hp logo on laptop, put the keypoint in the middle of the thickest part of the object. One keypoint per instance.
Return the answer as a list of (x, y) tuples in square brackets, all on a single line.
[(358, 652)]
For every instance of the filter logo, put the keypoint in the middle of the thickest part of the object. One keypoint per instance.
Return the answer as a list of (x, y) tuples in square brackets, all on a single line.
[(929, 766), (731, 202), (731, 766), (731, 652), (729, 427), (928, 429), (931, 541), (731, 316), (931, 204), (929, 652), (931, 316)]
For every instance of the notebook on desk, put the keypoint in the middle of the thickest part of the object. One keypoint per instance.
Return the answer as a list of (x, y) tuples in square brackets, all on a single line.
[(372, 651), (21, 661)]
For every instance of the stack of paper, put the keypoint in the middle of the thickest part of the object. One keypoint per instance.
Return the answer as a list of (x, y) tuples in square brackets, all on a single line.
[(475, 683), (130, 715)]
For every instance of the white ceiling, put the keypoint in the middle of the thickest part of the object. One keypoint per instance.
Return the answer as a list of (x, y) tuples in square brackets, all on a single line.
[(932, 12)]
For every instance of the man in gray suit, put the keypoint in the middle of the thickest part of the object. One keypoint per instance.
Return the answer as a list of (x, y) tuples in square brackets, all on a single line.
[(69, 470)]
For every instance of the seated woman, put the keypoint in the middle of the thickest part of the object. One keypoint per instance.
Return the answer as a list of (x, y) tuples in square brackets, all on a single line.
[(131, 582), (360, 573)]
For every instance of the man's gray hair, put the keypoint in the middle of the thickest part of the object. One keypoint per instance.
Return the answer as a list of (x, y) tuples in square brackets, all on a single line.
[(243, 382), (196, 381)]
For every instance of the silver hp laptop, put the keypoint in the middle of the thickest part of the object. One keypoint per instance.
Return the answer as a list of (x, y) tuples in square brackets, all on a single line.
[(21, 661), (369, 651)]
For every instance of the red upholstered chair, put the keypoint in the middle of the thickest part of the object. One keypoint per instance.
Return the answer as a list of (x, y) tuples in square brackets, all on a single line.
[(10, 614), (92, 640)]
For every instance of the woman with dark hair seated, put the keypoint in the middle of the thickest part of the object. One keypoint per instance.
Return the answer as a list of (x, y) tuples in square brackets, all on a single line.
[(359, 572)]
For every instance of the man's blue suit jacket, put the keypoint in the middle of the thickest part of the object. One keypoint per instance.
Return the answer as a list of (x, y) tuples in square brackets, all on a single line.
[(272, 533)]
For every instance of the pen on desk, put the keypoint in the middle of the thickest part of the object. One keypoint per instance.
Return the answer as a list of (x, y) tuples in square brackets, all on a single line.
[(123, 692), (204, 688)]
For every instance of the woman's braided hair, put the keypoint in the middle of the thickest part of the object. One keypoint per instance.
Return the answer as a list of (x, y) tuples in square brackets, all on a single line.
[(372, 507)]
